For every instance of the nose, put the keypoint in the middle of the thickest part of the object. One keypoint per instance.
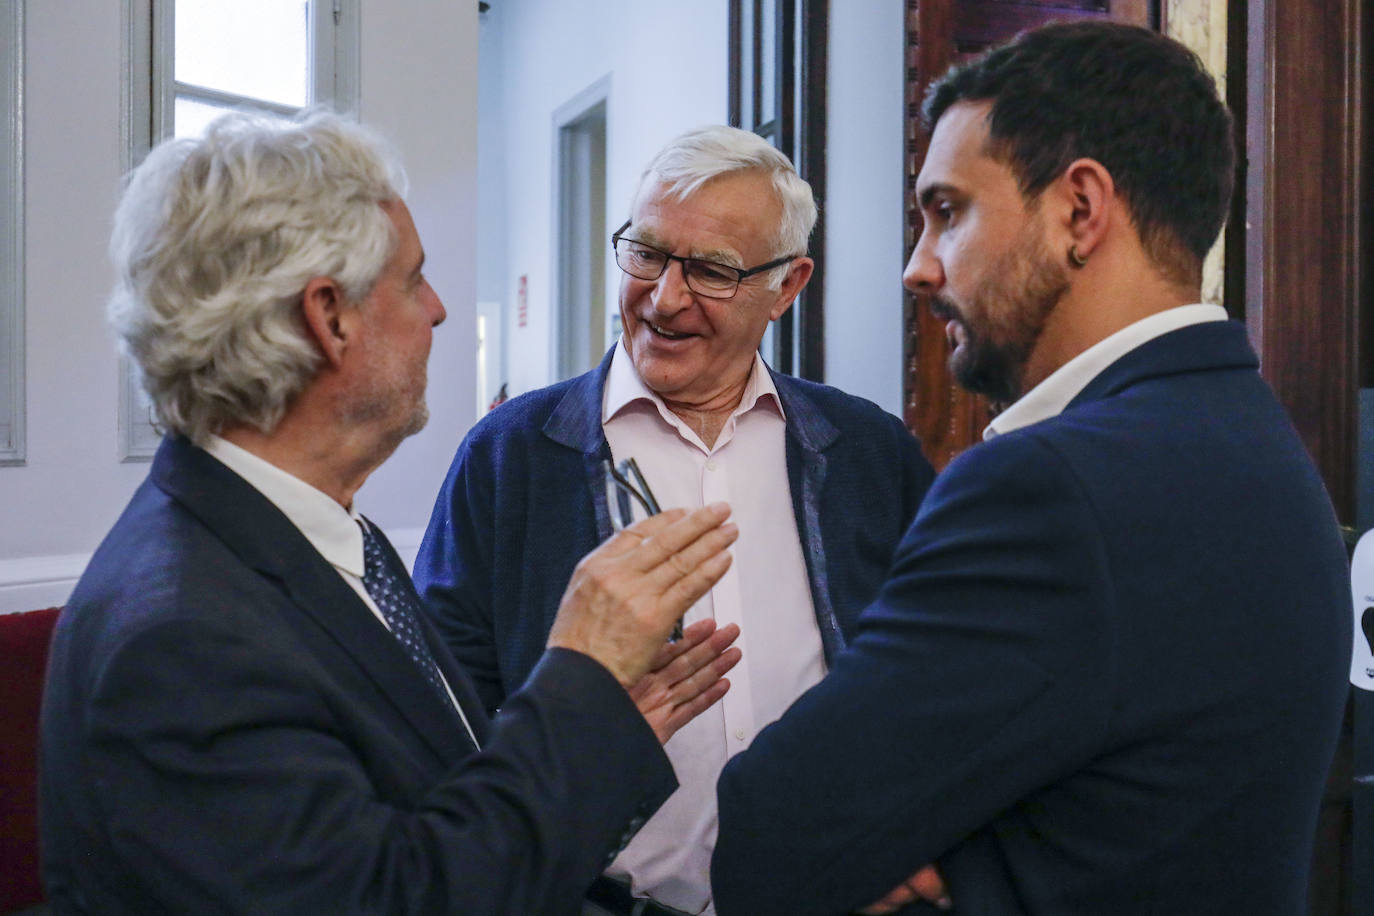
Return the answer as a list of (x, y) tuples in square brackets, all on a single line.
[(923, 274), (670, 293), (435, 306)]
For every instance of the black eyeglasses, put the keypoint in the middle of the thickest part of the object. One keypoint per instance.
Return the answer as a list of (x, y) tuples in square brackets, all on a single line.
[(705, 278), (624, 483)]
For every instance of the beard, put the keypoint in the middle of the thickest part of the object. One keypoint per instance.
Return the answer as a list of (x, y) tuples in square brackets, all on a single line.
[(1003, 318), (391, 401)]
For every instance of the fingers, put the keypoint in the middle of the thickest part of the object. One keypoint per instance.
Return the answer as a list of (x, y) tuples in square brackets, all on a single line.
[(686, 712), (628, 539), (928, 885), (685, 592), (706, 651), (925, 885), (671, 533), (692, 637)]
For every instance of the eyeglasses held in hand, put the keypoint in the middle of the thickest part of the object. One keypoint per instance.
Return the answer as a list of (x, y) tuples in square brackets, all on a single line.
[(626, 486)]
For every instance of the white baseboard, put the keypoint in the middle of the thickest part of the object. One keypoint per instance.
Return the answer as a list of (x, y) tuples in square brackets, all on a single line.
[(30, 583)]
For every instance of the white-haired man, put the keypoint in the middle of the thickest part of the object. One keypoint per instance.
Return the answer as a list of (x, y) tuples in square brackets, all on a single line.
[(822, 484), (245, 712)]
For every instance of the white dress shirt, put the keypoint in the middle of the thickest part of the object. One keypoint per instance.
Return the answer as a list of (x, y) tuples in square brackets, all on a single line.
[(1051, 396), (329, 527), (766, 592)]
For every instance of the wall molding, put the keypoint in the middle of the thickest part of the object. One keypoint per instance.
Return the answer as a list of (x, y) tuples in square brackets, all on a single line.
[(30, 583)]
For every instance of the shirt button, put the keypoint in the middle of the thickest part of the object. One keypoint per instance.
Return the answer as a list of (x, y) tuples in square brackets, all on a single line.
[(711, 465), (739, 734)]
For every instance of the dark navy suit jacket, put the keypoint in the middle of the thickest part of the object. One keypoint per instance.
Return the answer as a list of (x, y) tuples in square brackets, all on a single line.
[(525, 499), (1106, 675), (227, 728)]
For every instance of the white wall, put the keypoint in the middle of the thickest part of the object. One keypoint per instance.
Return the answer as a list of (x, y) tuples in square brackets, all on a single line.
[(863, 206), (419, 75), (667, 64)]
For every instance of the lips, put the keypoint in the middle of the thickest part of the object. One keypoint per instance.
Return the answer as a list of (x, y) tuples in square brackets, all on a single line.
[(954, 328), (665, 333)]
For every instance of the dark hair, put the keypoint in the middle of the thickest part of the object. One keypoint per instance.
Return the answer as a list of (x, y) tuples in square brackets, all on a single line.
[(1137, 102)]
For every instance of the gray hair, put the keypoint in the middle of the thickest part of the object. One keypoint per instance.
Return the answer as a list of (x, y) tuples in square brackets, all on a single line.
[(214, 241), (692, 159)]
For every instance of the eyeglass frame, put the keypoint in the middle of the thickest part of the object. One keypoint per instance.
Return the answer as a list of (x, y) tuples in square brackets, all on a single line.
[(626, 478), (744, 273)]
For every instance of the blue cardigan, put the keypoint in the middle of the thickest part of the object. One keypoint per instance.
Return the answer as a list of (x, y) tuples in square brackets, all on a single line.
[(525, 500)]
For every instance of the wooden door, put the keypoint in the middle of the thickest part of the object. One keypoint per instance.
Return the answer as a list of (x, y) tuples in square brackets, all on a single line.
[(939, 33)]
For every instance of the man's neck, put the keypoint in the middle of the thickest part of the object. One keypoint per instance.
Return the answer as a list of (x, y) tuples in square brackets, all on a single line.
[(326, 458), (708, 418), (1106, 298)]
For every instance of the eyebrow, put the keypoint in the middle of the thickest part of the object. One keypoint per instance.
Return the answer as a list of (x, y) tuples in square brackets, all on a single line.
[(927, 194), (722, 256), (717, 256)]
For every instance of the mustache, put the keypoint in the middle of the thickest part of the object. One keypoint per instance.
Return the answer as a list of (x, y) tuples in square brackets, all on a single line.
[(944, 309)]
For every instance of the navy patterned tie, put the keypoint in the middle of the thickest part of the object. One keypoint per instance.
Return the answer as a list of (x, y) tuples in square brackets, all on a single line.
[(395, 599)]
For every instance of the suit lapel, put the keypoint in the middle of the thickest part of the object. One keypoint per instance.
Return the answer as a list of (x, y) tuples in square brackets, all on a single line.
[(265, 540)]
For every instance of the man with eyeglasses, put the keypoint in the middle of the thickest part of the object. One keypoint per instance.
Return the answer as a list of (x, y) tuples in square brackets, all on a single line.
[(822, 484)]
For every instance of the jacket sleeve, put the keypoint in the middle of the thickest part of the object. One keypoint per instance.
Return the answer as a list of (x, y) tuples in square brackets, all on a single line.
[(981, 670), (226, 777), (916, 472), (453, 570)]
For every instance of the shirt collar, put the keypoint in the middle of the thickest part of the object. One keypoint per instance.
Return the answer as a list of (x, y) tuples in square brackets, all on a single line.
[(624, 387), (1051, 396), (329, 527)]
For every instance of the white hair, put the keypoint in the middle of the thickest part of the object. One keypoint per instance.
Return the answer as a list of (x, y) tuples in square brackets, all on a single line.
[(214, 241), (692, 159)]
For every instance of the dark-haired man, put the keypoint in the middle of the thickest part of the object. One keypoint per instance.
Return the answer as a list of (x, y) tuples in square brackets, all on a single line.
[(1106, 672)]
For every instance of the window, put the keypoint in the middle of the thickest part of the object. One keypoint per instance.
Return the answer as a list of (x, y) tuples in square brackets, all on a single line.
[(12, 238), (777, 89), (192, 60)]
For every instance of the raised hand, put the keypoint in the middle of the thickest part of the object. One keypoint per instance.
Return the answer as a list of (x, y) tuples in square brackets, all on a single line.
[(625, 596)]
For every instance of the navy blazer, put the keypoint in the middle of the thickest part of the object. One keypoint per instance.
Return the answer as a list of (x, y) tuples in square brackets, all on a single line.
[(525, 499), (1106, 675), (227, 728)]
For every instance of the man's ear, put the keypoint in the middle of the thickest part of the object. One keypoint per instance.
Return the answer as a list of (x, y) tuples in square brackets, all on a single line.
[(796, 281), (322, 306), (1088, 205)]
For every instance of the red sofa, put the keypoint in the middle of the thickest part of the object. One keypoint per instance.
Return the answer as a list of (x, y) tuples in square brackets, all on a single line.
[(24, 642)]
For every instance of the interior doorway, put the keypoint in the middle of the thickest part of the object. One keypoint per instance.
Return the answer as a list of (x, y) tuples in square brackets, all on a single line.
[(582, 329)]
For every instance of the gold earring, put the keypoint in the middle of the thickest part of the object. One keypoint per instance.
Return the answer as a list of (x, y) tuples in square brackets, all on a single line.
[(1076, 259)]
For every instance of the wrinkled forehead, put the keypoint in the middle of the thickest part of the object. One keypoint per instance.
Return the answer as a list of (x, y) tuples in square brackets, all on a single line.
[(730, 218)]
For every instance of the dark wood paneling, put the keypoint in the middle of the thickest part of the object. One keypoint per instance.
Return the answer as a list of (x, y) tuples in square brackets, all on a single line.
[(1365, 326), (1303, 247)]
